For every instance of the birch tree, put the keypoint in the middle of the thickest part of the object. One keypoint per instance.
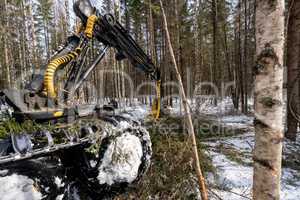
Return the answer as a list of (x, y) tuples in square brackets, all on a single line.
[(268, 99)]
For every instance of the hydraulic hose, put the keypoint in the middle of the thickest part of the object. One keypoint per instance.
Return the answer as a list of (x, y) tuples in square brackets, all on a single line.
[(63, 60), (52, 68), (90, 26)]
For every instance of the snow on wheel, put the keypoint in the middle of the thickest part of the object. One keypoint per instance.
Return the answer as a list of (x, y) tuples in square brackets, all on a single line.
[(124, 157)]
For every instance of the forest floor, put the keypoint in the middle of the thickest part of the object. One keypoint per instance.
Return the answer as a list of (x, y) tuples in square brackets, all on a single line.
[(232, 158), (226, 142)]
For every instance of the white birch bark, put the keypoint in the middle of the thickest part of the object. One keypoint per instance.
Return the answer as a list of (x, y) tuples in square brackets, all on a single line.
[(268, 99)]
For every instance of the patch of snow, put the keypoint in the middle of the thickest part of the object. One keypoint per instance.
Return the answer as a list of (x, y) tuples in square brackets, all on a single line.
[(123, 125), (245, 143), (58, 182), (205, 106), (60, 197), (121, 161), (234, 180), (237, 121), (291, 147), (73, 192), (234, 194), (18, 187), (290, 187), (137, 113), (47, 189), (3, 172), (5, 111), (232, 174)]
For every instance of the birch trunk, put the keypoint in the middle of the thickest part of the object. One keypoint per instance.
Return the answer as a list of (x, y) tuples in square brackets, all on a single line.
[(190, 126), (268, 99)]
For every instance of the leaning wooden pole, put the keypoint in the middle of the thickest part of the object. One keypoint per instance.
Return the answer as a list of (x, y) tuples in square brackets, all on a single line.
[(190, 126)]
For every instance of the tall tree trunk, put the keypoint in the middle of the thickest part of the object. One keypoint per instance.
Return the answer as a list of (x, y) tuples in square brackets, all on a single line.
[(215, 48), (237, 66), (152, 40), (198, 42), (245, 109), (67, 10), (293, 61), (24, 34), (152, 34), (268, 99), (240, 60), (191, 131), (6, 48), (120, 65)]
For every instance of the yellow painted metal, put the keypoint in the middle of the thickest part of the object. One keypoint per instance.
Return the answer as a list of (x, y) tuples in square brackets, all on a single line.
[(58, 114), (156, 105)]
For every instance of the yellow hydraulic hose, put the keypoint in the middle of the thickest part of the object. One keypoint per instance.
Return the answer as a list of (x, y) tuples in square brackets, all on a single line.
[(90, 26), (156, 104), (56, 63), (52, 68)]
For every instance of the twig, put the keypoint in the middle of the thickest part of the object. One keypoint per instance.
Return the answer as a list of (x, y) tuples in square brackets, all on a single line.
[(238, 194), (215, 194)]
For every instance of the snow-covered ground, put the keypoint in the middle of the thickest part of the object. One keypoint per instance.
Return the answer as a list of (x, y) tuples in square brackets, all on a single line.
[(235, 177), (232, 158), (18, 187), (232, 155)]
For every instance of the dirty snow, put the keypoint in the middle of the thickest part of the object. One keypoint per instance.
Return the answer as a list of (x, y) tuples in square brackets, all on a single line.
[(18, 187), (59, 183), (137, 112), (237, 121), (233, 180), (121, 161), (60, 197)]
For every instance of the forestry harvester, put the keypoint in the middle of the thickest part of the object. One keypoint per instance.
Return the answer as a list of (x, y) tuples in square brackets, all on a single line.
[(42, 120)]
